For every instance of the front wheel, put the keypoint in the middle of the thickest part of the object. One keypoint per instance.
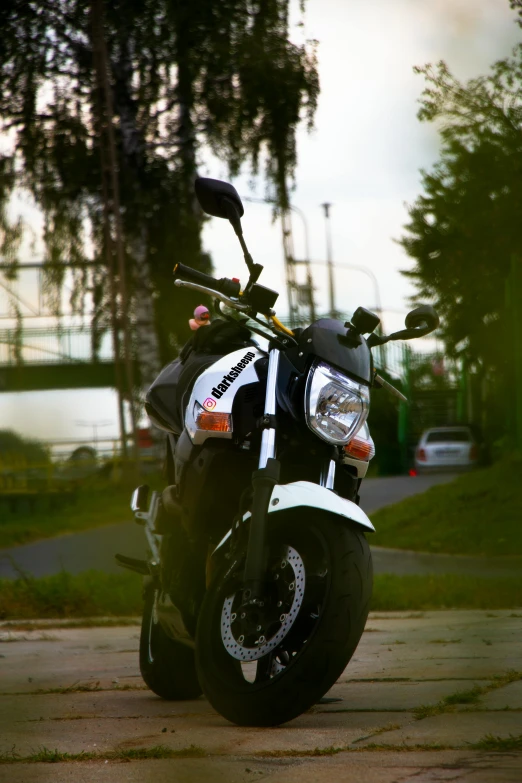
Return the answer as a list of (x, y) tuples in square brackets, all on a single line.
[(167, 667), (265, 664)]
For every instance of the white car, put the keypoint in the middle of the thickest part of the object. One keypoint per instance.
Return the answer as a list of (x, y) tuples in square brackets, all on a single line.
[(446, 448)]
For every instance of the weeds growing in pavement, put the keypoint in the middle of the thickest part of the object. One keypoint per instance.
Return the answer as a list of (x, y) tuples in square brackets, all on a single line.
[(470, 696), (489, 742), (46, 755)]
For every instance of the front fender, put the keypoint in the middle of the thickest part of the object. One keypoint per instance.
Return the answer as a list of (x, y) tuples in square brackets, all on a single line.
[(305, 494), (309, 495)]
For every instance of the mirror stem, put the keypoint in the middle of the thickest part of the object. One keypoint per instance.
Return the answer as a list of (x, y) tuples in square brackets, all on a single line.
[(235, 221)]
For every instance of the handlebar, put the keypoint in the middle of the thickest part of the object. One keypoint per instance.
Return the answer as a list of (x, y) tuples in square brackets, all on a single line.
[(224, 285)]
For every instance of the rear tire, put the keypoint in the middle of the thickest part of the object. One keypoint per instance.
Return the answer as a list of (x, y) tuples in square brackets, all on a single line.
[(317, 647), (167, 667)]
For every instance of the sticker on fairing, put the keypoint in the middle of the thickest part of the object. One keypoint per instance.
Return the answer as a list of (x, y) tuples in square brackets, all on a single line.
[(219, 390)]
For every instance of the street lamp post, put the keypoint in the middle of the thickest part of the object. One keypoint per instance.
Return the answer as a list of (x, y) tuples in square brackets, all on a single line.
[(289, 258), (378, 302), (94, 425), (333, 312)]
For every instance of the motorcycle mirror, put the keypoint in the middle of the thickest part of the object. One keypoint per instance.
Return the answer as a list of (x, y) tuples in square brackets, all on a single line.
[(419, 322), (219, 199), (423, 318)]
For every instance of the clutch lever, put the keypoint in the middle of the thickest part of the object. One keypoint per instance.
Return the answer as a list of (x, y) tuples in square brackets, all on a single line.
[(215, 294), (381, 383)]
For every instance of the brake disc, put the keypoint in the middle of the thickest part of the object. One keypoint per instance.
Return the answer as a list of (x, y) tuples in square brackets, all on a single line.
[(249, 633)]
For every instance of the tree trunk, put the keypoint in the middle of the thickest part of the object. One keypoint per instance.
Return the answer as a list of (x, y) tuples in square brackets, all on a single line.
[(133, 151), (190, 215)]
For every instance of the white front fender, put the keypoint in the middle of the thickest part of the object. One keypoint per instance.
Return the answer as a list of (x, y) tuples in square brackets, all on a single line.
[(307, 494)]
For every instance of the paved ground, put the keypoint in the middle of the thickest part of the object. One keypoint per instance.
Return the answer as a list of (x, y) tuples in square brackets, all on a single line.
[(96, 548), (78, 690)]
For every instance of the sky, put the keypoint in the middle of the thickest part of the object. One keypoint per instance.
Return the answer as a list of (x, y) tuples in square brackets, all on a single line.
[(364, 157)]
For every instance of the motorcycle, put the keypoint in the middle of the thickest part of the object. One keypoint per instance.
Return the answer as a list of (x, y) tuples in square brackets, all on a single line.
[(259, 577)]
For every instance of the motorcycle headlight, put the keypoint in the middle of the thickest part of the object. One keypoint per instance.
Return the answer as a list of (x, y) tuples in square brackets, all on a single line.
[(336, 407)]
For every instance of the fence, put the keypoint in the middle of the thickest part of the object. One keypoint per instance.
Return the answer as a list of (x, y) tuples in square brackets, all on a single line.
[(53, 346)]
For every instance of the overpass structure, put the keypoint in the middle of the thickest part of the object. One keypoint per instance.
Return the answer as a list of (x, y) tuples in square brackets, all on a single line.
[(54, 357)]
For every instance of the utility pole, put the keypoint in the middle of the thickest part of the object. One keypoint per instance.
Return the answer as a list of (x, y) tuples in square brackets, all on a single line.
[(95, 425), (288, 252), (293, 288), (112, 209), (333, 312)]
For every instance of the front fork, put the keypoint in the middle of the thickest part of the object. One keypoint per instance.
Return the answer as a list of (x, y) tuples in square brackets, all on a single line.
[(263, 481)]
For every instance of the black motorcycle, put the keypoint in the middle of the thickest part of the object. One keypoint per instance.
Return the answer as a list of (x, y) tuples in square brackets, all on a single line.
[(259, 579)]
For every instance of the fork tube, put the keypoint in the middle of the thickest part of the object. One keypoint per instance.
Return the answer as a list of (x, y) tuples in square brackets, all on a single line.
[(264, 480), (328, 475), (268, 436)]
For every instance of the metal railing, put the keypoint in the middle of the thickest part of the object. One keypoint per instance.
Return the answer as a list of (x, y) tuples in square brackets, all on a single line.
[(48, 345)]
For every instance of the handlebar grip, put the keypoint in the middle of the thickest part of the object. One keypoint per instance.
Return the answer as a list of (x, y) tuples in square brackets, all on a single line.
[(224, 285)]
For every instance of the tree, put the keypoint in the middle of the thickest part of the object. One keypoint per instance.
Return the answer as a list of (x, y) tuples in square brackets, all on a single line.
[(466, 226), (182, 75), (14, 448)]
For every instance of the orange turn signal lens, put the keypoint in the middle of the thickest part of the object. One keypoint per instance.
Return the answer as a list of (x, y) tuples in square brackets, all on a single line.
[(214, 422), (360, 449)]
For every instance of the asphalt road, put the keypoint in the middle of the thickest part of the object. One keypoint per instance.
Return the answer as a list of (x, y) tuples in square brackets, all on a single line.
[(96, 548)]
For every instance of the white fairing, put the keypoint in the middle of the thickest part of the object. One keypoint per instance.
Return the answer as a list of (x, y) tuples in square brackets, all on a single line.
[(216, 388), (304, 493)]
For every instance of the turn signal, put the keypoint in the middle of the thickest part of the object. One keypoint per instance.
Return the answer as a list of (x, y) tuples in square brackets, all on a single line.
[(215, 422), (358, 448)]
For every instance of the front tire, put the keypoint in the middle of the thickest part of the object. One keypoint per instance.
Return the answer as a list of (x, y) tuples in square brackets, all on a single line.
[(167, 667), (326, 629)]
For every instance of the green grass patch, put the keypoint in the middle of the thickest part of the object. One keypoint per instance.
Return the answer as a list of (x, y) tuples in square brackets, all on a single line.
[(98, 502), (94, 594), (89, 594), (478, 513), (489, 742), (445, 591)]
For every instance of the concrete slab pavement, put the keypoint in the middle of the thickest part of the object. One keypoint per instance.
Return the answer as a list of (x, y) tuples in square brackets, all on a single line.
[(367, 767), (79, 690)]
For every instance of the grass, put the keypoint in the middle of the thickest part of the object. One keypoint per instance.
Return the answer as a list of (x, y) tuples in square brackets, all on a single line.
[(48, 756), (489, 742), (78, 688), (63, 595), (94, 594), (445, 591), (331, 750), (478, 513), (98, 502), (87, 622), (465, 697)]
